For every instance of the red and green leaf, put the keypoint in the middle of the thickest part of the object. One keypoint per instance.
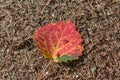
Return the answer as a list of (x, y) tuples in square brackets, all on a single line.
[(59, 41)]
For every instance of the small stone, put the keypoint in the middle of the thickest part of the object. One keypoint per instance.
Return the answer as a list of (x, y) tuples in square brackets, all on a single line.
[(53, 15), (77, 76), (2, 50), (16, 52), (15, 39), (46, 73), (8, 50), (93, 69)]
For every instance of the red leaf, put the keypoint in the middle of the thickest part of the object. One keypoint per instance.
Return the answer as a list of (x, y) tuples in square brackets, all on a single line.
[(59, 39)]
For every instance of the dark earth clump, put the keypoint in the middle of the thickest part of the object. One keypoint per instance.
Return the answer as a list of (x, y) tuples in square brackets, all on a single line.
[(98, 22)]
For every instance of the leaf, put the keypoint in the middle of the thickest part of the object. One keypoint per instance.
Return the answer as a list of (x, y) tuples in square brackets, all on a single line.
[(59, 39)]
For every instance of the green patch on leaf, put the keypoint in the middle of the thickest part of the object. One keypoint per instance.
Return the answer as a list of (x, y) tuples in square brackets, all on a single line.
[(64, 58)]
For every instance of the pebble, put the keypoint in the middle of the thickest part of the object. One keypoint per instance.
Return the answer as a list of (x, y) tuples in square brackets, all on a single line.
[(15, 39), (77, 76), (93, 69), (8, 50), (46, 73)]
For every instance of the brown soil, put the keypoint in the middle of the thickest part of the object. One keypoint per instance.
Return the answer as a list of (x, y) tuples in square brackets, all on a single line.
[(99, 24)]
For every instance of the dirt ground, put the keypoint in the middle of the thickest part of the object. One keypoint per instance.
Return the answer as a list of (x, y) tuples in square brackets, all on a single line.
[(99, 25)]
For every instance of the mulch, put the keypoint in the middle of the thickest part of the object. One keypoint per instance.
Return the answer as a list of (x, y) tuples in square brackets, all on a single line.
[(98, 22)]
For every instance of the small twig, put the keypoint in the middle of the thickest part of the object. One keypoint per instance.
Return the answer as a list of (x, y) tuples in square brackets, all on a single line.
[(113, 1), (41, 74), (90, 5), (45, 6)]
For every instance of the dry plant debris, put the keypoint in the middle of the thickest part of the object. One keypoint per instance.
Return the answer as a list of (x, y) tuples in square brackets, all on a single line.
[(99, 25)]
